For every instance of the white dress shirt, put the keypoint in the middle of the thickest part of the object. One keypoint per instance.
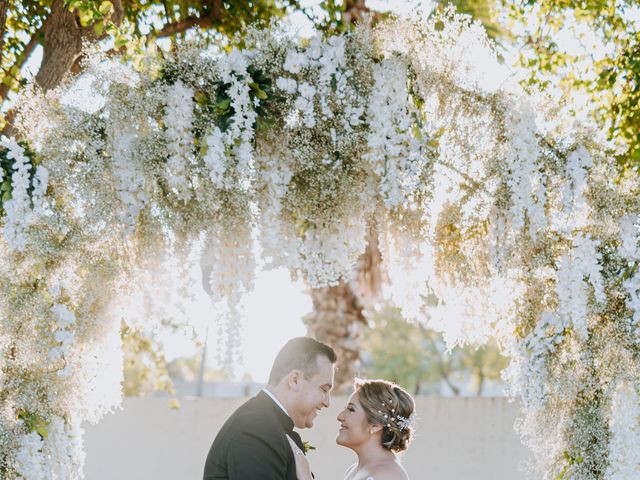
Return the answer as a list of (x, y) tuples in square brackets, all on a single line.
[(273, 397)]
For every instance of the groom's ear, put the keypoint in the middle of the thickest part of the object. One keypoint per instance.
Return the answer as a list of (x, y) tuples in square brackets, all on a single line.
[(293, 380)]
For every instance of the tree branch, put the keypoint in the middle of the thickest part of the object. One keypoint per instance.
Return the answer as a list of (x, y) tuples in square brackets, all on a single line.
[(3, 24), (184, 25)]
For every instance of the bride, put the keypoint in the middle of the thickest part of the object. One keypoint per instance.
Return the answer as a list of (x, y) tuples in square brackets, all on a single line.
[(376, 425)]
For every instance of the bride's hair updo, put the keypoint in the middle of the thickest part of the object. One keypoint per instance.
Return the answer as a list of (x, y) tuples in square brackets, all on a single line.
[(389, 405)]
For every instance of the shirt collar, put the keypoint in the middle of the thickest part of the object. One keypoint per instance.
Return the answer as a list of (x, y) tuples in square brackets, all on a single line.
[(277, 402)]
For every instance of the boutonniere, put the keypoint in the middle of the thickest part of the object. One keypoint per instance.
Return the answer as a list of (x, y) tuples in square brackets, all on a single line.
[(306, 447)]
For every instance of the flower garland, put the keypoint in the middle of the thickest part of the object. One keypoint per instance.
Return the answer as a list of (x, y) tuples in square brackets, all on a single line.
[(487, 200)]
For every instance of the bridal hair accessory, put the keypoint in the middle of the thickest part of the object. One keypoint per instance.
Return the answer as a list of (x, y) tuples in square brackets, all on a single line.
[(399, 421), (404, 423)]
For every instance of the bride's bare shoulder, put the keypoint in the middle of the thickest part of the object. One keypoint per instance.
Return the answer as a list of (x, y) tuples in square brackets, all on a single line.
[(389, 471)]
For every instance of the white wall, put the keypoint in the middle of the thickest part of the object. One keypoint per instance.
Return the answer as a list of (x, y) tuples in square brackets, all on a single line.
[(457, 439)]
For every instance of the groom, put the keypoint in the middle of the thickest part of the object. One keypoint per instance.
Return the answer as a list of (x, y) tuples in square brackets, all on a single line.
[(252, 444)]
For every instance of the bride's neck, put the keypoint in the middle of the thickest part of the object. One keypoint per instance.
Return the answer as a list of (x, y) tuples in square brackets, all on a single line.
[(371, 453)]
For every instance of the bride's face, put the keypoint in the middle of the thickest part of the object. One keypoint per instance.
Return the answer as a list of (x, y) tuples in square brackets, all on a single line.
[(355, 430)]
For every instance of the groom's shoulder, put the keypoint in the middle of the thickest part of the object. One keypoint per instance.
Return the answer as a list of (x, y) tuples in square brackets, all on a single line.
[(255, 415)]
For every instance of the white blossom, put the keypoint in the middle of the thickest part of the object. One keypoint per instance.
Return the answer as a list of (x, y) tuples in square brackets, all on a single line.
[(575, 208), (178, 120), (128, 175), (216, 158), (29, 458), (64, 316), (393, 153), (19, 214), (583, 261), (624, 424), (630, 237), (294, 61), (525, 180), (307, 90), (289, 85)]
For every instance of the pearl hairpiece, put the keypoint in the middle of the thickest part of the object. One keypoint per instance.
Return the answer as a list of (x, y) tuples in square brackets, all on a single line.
[(401, 422)]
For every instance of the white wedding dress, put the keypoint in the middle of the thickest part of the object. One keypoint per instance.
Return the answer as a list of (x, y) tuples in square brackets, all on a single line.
[(351, 469)]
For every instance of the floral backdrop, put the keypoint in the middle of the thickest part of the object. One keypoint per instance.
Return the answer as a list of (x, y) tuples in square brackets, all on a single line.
[(495, 202)]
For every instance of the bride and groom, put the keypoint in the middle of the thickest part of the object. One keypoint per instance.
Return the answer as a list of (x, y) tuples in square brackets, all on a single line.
[(258, 442)]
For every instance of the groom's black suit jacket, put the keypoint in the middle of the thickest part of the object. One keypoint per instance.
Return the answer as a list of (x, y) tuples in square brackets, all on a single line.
[(251, 445)]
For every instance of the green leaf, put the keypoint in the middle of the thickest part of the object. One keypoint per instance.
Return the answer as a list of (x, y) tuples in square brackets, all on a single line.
[(10, 81), (98, 28), (120, 42), (261, 94), (223, 105), (105, 8), (42, 430), (201, 97), (85, 18)]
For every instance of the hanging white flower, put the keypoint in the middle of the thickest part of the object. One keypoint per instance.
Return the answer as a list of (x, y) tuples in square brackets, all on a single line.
[(178, 119), (29, 457), (19, 212), (215, 158), (392, 151), (307, 90), (40, 183), (629, 237), (632, 286), (525, 181), (129, 176), (294, 61), (575, 209), (624, 425), (289, 85), (583, 261)]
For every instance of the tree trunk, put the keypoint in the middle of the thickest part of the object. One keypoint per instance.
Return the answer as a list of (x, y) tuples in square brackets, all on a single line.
[(337, 320), (3, 24), (63, 40), (356, 11), (480, 380), (338, 316)]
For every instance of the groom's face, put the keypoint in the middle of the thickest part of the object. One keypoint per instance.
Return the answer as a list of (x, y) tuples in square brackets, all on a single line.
[(313, 394)]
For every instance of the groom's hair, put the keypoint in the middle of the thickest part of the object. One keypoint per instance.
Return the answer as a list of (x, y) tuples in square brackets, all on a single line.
[(299, 353)]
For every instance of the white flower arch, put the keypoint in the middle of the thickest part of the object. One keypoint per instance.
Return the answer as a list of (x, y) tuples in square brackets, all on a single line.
[(497, 202)]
